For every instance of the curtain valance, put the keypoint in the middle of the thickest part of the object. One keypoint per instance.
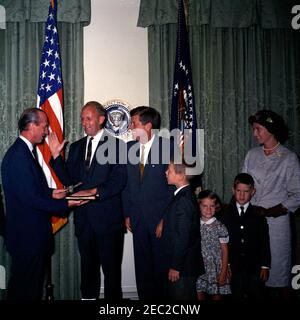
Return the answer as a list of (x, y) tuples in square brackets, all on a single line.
[(220, 13), (71, 11)]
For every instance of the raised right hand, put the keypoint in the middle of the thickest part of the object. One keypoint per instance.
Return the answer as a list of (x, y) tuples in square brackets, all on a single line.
[(54, 145)]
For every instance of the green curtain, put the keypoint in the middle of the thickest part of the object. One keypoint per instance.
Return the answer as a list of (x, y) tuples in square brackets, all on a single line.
[(20, 52), (244, 57)]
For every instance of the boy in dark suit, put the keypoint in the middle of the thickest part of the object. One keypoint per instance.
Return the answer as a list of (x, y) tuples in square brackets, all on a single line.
[(181, 237), (249, 247)]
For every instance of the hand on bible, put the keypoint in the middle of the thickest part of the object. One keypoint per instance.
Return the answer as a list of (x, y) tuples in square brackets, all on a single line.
[(59, 193)]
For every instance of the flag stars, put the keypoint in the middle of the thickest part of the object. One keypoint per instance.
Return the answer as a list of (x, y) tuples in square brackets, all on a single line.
[(52, 41), (49, 52), (176, 86), (54, 30), (56, 55), (46, 63), (51, 17), (51, 77), (58, 79), (53, 66), (48, 88), (42, 87), (49, 27), (43, 76)]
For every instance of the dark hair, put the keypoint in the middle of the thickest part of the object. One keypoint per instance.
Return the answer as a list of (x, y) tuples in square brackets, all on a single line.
[(147, 114), (243, 178), (273, 122), (211, 195), (30, 115)]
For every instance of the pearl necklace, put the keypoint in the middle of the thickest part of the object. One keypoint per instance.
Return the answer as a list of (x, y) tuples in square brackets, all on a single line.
[(271, 149)]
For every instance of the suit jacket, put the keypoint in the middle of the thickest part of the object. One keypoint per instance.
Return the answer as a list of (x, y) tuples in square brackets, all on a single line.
[(249, 244), (106, 214), (29, 203), (149, 197), (181, 234)]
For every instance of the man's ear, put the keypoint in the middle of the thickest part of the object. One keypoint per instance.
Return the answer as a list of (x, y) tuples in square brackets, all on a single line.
[(253, 191), (101, 119), (148, 126), (232, 190)]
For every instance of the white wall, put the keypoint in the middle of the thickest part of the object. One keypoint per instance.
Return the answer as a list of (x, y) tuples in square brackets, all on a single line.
[(116, 67), (116, 53)]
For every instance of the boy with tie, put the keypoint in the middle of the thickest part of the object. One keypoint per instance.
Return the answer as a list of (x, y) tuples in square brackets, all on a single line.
[(249, 246)]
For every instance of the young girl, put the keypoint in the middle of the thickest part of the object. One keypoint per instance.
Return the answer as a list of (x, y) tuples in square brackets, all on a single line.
[(214, 243)]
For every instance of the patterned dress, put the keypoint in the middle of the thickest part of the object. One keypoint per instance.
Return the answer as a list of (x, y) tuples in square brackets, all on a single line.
[(213, 233)]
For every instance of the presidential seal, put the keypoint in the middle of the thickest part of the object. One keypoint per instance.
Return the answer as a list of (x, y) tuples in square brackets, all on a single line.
[(118, 118)]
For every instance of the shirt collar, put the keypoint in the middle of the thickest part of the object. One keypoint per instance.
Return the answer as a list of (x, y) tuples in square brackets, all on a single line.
[(148, 144), (97, 137), (180, 188), (246, 205), (28, 143), (210, 221)]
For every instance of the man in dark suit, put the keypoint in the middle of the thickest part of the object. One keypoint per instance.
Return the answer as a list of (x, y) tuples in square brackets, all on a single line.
[(181, 237), (146, 197), (29, 206), (249, 245), (93, 161)]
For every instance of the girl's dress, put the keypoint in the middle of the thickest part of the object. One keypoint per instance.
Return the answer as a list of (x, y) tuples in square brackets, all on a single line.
[(213, 233)]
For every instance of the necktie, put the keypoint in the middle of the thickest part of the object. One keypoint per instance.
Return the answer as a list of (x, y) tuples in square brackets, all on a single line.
[(88, 154), (142, 161), (242, 211)]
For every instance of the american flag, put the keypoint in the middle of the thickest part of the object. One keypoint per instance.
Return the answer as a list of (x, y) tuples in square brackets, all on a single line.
[(183, 115), (50, 99)]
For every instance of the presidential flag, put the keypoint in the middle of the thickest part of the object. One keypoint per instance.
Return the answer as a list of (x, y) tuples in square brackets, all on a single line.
[(183, 115), (50, 99)]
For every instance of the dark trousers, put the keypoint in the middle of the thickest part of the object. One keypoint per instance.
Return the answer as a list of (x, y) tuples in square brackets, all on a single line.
[(101, 250), (27, 277), (246, 285), (183, 289), (149, 264)]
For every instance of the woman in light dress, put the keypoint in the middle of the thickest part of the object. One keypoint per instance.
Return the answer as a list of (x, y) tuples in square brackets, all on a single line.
[(276, 172)]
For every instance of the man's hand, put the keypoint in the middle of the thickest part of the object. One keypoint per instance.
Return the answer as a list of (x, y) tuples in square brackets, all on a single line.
[(128, 224), (54, 145), (264, 274), (173, 275), (76, 203), (159, 229), (59, 193)]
